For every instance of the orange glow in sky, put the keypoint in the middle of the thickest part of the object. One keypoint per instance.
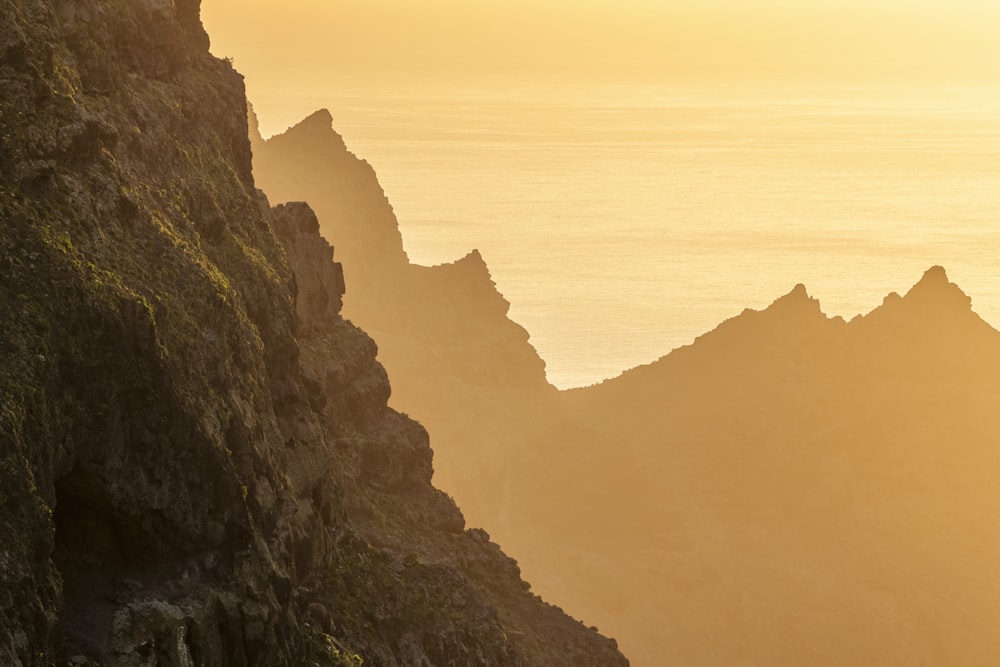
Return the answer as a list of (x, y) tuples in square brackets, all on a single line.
[(635, 172), (910, 41)]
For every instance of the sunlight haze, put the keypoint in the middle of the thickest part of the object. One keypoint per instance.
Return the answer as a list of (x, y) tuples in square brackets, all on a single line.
[(888, 40), (573, 333), (554, 135)]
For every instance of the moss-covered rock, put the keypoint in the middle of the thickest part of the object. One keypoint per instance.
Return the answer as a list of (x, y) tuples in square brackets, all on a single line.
[(195, 448)]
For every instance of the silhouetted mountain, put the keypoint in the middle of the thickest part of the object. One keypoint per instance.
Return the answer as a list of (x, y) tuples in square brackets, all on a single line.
[(197, 462), (458, 364), (790, 489)]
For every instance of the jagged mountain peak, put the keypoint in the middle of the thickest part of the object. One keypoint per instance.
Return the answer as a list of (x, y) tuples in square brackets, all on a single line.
[(934, 289), (796, 301), (784, 315), (474, 263), (791, 323), (879, 436), (457, 301), (181, 402), (315, 130), (934, 303), (319, 120), (316, 126)]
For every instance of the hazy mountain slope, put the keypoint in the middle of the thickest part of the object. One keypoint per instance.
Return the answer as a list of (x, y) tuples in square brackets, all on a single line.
[(458, 364), (197, 464), (791, 489)]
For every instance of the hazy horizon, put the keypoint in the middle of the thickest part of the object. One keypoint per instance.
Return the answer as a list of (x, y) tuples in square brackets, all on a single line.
[(674, 41), (304, 57), (576, 334), (473, 130), (634, 175), (622, 221)]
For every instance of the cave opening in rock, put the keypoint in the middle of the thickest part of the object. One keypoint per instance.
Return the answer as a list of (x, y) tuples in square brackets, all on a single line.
[(90, 553), (87, 539)]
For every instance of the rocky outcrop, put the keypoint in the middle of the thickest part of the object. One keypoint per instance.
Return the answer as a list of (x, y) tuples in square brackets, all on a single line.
[(197, 464), (312, 158), (458, 363), (452, 311), (460, 599), (319, 280), (789, 489)]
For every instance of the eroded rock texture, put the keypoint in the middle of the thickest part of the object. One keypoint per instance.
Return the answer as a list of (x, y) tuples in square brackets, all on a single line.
[(197, 464)]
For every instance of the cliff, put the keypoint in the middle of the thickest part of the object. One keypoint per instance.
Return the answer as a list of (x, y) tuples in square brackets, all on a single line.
[(198, 465), (789, 489), (458, 363)]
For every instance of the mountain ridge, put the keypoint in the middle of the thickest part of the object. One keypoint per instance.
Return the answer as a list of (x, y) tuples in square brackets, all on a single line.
[(458, 361), (791, 488), (198, 465)]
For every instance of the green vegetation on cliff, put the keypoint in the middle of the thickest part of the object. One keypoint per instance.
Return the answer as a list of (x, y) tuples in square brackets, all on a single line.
[(197, 464)]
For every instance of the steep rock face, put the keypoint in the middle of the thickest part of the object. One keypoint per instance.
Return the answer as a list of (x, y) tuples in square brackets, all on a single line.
[(454, 308), (789, 489), (133, 327), (319, 280), (431, 590), (458, 363), (303, 160), (197, 463)]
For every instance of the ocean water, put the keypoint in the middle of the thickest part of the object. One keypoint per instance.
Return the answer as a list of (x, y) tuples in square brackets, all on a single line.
[(622, 221)]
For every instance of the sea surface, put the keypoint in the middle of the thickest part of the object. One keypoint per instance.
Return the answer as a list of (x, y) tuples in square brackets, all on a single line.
[(622, 221)]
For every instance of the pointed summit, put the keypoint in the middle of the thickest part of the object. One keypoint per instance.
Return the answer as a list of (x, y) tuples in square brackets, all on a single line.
[(469, 265), (935, 274), (315, 129), (934, 290), (933, 307), (475, 257), (796, 301), (321, 119), (797, 293), (475, 268), (471, 273), (317, 123)]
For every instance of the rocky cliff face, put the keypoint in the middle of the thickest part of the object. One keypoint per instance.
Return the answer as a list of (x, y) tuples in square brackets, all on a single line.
[(453, 311), (198, 466), (458, 363)]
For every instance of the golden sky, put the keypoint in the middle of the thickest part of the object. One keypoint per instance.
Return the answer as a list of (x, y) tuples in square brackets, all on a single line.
[(951, 41)]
